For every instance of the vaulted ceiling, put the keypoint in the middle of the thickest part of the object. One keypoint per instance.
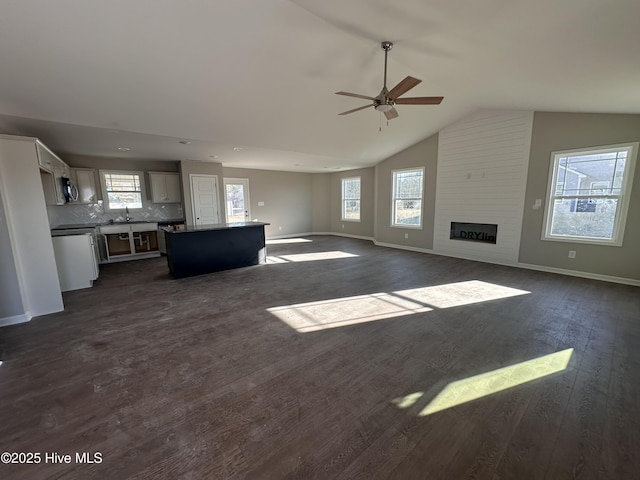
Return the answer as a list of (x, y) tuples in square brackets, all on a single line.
[(89, 77)]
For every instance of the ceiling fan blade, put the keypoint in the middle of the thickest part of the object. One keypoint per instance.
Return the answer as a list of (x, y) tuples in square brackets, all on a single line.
[(391, 114), (357, 95), (404, 86), (419, 101), (355, 109)]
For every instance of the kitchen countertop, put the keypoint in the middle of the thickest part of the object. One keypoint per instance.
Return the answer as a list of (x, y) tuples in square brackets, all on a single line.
[(72, 231), (217, 226), (73, 226)]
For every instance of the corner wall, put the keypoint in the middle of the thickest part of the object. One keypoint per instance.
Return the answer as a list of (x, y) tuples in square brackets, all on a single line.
[(28, 227), (564, 131), (10, 297), (423, 154), (365, 227), (321, 202)]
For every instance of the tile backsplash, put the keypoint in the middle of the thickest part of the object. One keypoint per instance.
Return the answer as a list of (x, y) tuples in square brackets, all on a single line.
[(94, 213)]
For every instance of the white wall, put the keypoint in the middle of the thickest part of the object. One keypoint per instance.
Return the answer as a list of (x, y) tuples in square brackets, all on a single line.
[(28, 226), (282, 199), (10, 299), (482, 178)]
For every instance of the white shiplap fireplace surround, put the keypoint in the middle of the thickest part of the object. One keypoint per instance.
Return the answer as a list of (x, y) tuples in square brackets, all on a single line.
[(481, 178)]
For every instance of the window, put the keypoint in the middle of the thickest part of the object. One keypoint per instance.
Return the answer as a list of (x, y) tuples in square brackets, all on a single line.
[(121, 189), (351, 199), (406, 207), (591, 196)]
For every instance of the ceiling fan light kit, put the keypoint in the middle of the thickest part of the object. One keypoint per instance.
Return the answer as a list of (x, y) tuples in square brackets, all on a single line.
[(387, 99), (384, 107)]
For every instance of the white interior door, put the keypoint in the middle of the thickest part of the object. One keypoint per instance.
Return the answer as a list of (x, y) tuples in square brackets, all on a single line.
[(237, 199), (204, 199)]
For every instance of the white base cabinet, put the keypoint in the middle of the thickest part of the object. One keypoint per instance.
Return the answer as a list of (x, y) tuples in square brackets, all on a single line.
[(76, 261)]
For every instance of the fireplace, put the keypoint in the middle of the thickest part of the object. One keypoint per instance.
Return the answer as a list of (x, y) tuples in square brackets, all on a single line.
[(474, 232)]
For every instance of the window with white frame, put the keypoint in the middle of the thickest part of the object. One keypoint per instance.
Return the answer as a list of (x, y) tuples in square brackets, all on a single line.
[(351, 199), (590, 196), (122, 189), (406, 206)]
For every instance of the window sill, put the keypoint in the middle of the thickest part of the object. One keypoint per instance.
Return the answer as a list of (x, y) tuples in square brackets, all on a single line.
[(411, 227), (585, 241)]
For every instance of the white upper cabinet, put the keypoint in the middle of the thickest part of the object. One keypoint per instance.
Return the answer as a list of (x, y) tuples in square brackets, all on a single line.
[(85, 181), (56, 167), (165, 187)]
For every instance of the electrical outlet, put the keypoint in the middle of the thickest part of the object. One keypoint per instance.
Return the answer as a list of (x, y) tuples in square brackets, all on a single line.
[(280, 227), (343, 225), (572, 254), (406, 236)]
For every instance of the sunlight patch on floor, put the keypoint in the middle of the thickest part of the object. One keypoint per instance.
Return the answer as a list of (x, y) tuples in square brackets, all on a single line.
[(460, 293), (478, 386), (285, 241), (339, 312), (309, 257)]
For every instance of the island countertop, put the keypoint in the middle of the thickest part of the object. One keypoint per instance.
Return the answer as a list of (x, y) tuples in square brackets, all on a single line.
[(215, 226)]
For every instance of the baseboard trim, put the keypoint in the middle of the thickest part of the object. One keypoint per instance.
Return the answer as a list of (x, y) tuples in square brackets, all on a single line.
[(402, 247), (309, 234), (357, 237), (575, 273), (290, 235), (14, 320), (526, 266)]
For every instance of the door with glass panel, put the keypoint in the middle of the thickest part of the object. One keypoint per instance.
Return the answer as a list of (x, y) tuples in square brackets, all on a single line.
[(237, 199)]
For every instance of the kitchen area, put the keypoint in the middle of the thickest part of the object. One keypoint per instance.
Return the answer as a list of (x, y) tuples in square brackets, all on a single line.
[(88, 203), (95, 211)]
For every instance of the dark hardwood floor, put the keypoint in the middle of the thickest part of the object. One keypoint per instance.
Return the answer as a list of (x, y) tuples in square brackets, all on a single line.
[(206, 377)]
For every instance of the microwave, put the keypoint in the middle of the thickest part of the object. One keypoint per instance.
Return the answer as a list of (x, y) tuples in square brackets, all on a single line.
[(69, 190)]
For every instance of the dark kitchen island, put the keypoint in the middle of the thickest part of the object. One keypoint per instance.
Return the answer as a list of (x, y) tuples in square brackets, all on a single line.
[(200, 249)]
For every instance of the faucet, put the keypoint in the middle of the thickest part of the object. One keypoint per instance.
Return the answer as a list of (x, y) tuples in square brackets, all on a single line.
[(127, 217)]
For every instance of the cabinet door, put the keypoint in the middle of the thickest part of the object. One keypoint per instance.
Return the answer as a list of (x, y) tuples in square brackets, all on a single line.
[(45, 159), (48, 161), (165, 187), (158, 187), (173, 188), (85, 180)]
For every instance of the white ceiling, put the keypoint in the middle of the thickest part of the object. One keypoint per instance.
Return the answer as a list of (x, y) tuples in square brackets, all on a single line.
[(88, 77)]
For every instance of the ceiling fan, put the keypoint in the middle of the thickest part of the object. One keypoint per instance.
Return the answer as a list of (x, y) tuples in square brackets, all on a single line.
[(387, 99)]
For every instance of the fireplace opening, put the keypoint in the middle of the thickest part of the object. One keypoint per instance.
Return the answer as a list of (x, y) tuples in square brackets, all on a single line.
[(474, 232)]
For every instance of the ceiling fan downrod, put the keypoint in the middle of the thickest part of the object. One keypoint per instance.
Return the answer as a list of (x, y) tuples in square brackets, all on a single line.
[(382, 103), (386, 46)]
